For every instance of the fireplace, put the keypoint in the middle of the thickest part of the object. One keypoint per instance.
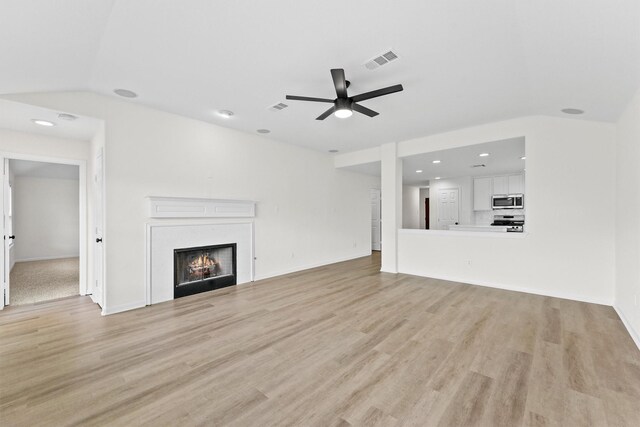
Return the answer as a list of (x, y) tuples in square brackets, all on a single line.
[(203, 268)]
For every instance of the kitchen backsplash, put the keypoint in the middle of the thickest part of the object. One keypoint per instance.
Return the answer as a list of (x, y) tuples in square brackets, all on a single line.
[(486, 217)]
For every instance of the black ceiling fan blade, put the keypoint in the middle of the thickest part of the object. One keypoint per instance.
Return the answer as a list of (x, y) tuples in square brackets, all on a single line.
[(326, 113), (307, 98), (377, 93), (364, 110), (340, 82)]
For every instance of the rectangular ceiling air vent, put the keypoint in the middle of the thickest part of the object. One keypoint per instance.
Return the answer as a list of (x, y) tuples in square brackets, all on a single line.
[(381, 60), (277, 107)]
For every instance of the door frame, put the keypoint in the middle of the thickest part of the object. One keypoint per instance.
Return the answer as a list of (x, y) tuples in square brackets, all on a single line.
[(379, 201), (82, 220), (98, 299)]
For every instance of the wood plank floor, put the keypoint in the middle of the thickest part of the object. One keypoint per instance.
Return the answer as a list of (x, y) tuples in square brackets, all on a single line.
[(338, 345)]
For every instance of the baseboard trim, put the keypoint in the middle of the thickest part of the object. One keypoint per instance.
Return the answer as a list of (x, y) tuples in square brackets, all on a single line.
[(312, 265), (106, 311), (562, 295), (95, 299), (46, 258), (635, 336)]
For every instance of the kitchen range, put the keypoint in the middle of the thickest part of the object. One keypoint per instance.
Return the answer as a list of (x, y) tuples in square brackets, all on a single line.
[(513, 223)]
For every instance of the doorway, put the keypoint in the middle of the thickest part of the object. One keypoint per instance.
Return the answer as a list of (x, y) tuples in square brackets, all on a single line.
[(44, 228), (426, 213)]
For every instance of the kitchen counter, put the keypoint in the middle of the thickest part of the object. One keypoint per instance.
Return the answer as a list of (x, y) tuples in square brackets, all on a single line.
[(471, 227), (476, 233)]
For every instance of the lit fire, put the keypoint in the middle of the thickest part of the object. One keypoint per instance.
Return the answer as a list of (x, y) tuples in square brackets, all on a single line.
[(204, 266)]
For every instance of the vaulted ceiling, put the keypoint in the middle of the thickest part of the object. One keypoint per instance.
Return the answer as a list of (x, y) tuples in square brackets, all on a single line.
[(462, 62)]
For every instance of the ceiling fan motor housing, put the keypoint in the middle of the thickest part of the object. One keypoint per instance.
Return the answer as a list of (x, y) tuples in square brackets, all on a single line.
[(343, 103)]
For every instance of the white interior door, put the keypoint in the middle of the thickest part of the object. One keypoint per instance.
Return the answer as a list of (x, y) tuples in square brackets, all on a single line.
[(8, 230), (448, 207), (376, 227), (98, 222), (7, 223)]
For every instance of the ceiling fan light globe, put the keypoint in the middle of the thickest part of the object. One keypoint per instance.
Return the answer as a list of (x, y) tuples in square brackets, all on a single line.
[(343, 113)]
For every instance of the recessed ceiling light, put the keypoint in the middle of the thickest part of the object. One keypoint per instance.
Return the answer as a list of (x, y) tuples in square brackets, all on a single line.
[(68, 117), (572, 111), (333, 151), (419, 171), (437, 177), (523, 158), (225, 113), (436, 161), (263, 131), (41, 122), (484, 154), (125, 93), (343, 113)]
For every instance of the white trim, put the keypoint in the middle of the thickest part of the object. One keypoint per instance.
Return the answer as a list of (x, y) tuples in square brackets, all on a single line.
[(454, 233), (46, 258), (182, 207), (313, 265), (563, 295), (635, 336), (82, 201), (100, 153), (106, 311), (83, 255), (147, 263), (94, 298), (147, 251)]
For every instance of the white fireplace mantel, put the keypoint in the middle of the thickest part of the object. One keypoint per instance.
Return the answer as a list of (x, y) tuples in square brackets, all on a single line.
[(182, 207)]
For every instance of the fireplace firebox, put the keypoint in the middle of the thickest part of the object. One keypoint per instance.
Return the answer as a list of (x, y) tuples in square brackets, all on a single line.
[(204, 268)]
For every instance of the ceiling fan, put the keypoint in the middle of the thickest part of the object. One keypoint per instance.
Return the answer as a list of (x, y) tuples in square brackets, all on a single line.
[(344, 105)]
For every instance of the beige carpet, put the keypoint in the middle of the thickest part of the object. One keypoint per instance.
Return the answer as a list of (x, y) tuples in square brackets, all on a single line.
[(35, 281)]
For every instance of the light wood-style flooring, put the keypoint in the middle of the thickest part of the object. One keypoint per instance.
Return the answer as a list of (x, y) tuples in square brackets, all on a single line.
[(338, 345)]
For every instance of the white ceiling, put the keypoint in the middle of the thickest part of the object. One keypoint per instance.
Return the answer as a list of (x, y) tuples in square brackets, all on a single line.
[(27, 168), (18, 116), (504, 157), (462, 62)]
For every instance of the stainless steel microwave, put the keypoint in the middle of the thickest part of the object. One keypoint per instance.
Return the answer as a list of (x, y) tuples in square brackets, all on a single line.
[(510, 201)]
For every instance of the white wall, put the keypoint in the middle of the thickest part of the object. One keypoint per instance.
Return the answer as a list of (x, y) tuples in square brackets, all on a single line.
[(411, 206), (45, 218), (465, 185), (40, 145), (627, 298), (568, 250), (308, 213)]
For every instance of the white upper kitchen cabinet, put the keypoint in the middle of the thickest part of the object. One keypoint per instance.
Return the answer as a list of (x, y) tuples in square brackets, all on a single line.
[(516, 184), (482, 192), (500, 185)]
